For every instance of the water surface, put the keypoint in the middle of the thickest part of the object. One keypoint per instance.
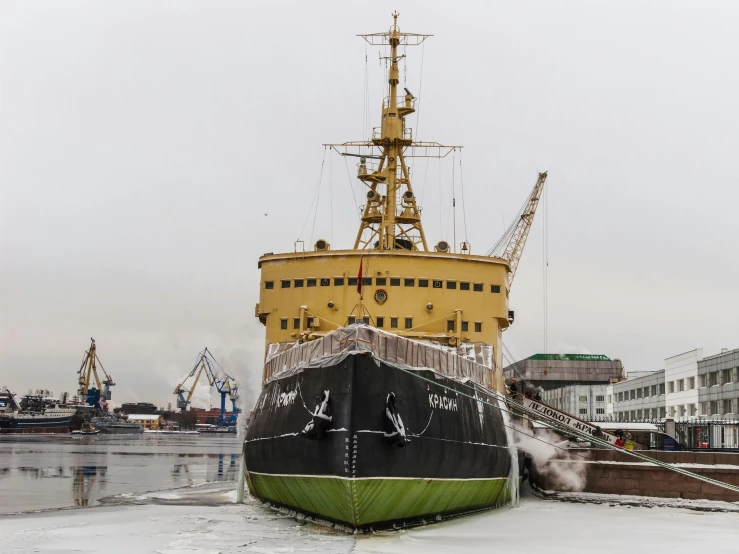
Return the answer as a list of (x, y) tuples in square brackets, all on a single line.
[(44, 472)]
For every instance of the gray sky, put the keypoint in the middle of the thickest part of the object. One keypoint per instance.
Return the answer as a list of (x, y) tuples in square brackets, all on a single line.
[(141, 144)]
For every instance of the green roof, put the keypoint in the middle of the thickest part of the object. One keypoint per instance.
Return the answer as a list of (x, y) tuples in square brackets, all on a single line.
[(575, 357)]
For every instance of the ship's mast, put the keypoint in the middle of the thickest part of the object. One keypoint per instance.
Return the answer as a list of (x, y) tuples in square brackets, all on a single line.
[(391, 218)]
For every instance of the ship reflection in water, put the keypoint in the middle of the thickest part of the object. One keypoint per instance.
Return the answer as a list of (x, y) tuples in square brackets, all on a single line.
[(87, 478), (226, 470), (103, 467)]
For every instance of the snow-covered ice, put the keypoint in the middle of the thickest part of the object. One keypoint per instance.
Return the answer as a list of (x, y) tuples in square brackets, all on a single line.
[(535, 526)]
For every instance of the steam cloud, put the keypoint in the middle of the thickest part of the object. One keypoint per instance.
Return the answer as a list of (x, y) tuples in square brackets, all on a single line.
[(568, 472)]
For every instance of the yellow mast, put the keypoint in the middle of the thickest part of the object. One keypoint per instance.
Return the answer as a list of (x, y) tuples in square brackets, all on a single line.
[(391, 218)]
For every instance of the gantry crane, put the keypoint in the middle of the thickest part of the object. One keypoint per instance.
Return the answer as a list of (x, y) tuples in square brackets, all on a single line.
[(226, 386), (88, 368), (510, 245)]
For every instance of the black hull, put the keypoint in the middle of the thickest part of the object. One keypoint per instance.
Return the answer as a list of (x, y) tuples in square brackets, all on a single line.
[(35, 425), (456, 457)]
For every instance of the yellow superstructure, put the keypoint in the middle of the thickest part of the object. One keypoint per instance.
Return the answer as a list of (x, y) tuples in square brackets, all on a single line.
[(446, 294), (447, 297)]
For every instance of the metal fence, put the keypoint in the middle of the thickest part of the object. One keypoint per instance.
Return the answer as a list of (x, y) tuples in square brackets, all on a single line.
[(708, 434), (696, 433)]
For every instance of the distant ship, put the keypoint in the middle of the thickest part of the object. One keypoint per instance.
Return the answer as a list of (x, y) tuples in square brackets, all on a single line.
[(36, 413), (116, 426), (383, 395)]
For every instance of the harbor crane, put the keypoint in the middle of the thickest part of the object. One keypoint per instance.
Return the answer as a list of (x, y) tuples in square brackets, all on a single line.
[(510, 245), (224, 383), (87, 370)]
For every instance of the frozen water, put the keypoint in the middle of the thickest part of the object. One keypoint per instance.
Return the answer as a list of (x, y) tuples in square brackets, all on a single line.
[(131, 516), (535, 526), (61, 471)]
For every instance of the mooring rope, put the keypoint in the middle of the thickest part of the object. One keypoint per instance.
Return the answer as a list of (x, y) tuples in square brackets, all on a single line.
[(554, 424)]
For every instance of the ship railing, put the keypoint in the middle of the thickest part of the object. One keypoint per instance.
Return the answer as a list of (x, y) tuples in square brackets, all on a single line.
[(407, 133), (387, 347), (400, 101)]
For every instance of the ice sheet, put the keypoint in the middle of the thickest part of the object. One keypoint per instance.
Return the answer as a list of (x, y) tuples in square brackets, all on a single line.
[(536, 526)]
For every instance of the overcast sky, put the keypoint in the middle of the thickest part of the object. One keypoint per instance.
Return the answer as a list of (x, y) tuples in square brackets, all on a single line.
[(142, 144)]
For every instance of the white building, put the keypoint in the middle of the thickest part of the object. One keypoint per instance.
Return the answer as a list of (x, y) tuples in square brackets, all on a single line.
[(583, 401), (681, 374), (718, 384), (639, 397), (689, 385)]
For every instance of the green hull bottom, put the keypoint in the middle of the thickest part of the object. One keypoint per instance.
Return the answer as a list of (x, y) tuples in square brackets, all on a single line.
[(363, 502)]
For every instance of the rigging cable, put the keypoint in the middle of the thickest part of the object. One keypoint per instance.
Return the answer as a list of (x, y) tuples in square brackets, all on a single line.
[(315, 194), (405, 67), (441, 204), (500, 246), (351, 186), (545, 263), (330, 198), (461, 182), (454, 203), (418, 120), (367, 119), (450, 213)]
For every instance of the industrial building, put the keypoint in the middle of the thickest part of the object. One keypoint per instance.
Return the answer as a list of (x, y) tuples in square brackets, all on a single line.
[(137, 408), (554, 371), (147, 421), (209, 417)]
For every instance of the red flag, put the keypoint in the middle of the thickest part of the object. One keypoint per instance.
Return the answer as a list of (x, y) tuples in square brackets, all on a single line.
[(359, 278)]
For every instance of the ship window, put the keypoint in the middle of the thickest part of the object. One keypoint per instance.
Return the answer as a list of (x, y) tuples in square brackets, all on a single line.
[(298, 283), (296, 323), (283, 323), (380, 322), (394, 281), (478, 326), (311, 282), (352, 281), (423, 283), (451, 284), (351, 320), (366, 280), (381, 281), (393, 322), (269, 284), (465, 326), (437, 284), (450, 325), (477, 287), (338, 281), (285, 284), (464, 286), (409, 282), (408, 322), (495, 288), (325, 281)]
